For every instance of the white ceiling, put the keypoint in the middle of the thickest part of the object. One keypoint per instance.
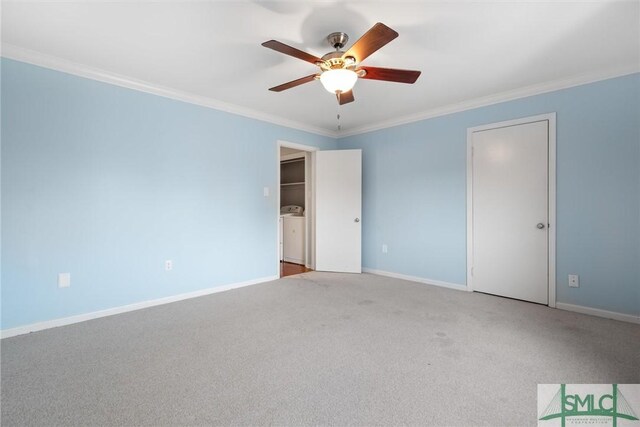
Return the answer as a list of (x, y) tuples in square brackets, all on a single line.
[(467, 51)]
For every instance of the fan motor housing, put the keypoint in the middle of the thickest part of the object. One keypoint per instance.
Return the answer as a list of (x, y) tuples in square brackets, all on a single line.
[(335, 60)]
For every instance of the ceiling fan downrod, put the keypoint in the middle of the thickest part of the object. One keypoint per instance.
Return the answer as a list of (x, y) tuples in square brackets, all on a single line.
[(337, 40)]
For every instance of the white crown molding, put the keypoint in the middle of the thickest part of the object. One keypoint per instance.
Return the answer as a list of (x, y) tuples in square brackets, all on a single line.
[(48, 61), (55, 63), (54, 323), (498, 98)]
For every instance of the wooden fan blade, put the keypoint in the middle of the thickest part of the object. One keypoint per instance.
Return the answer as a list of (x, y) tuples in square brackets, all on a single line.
[(345, 97), (291, 51), (293, 83), (390, 74), (378, 36)]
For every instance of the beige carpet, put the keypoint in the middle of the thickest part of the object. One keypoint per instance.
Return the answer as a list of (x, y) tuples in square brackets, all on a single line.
[(320, 348)]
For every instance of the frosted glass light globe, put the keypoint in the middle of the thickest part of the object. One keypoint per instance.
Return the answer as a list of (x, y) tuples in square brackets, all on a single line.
[(338, 80)]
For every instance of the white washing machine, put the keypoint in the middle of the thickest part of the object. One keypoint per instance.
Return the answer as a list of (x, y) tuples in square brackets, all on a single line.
[(291, 210), (292, 234)]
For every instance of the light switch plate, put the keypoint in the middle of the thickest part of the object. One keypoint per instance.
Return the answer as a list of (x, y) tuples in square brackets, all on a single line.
[(64, 280)]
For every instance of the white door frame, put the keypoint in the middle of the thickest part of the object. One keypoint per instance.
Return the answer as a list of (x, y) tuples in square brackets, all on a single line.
[(551, 117), (310, 220)]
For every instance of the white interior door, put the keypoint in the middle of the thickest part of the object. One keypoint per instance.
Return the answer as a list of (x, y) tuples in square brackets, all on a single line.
[(338, 210), (510, 211)]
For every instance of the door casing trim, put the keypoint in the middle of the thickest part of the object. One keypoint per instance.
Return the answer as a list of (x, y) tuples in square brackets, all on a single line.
[(310, 238), (551, 118)]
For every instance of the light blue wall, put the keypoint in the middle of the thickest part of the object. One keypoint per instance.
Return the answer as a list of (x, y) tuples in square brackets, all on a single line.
[(106, 183), (414, 183)]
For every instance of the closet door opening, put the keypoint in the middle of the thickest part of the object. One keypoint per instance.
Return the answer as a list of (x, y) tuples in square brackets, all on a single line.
[(296, 212)]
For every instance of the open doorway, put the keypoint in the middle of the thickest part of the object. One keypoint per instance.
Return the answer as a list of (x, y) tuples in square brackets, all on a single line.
[(296, 237)]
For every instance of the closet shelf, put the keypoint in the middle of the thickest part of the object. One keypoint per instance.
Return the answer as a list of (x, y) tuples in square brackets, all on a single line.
[(291, 183)]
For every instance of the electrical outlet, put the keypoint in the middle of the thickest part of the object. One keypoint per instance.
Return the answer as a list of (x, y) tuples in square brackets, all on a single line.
[(64, 280), (574, 281), (168, 265), (385, 249)]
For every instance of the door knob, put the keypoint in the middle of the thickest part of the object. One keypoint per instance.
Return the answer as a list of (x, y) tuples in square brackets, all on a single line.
[(540, 225), (356, 220)]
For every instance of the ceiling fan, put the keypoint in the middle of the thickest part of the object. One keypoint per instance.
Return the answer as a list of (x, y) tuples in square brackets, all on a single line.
[(340, 70)]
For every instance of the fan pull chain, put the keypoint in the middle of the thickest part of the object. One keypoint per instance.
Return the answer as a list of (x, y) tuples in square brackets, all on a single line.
[(338, 117)]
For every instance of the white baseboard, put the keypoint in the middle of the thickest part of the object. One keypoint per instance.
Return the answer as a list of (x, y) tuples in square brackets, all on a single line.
[(20, 330), (440, 283), (560, 305), (598, 312)]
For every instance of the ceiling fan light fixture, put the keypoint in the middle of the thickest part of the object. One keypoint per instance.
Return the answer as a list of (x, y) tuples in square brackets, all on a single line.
[(340, 70), (338, 80)]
